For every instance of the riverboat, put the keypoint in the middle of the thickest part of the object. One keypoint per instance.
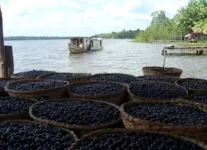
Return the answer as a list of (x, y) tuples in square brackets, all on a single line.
[(85, 44)]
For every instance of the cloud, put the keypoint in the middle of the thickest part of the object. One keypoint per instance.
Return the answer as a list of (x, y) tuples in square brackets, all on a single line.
[(80, 17)]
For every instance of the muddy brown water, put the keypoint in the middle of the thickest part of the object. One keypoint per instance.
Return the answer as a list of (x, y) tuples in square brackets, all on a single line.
[(120, 56)]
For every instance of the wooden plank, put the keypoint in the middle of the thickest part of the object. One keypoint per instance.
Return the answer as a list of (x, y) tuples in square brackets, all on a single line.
[(193, 47), (9, 60), (3, 68)]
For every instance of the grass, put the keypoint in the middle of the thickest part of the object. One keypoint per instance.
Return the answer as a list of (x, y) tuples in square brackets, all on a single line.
[(201, 43)]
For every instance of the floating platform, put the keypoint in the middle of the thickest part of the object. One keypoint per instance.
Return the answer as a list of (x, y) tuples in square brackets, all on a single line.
[(185, 50)]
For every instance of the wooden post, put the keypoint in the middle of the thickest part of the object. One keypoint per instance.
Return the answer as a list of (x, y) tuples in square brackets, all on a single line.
[(3, 68), (164, 60), (9, 60)]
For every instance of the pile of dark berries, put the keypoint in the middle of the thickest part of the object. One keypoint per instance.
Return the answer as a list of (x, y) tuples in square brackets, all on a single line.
[(156, 90), (199, 98), (9, 105), (193, 83), (66, 76), (157, 78), (16, 136), (38, 85), (77, 112), (33, 74), (169, 114), (133, 140), (114, 77), (3, 83), (95, 88)]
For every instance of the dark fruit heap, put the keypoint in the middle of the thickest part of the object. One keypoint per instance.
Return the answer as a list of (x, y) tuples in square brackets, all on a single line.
[(17, 136), (169, 114), (77, 112), (167, 79), (156, 90), (40, 85), (3, 83), (31, 74), (115, 77), (133, 140), (190, 83), (9, 105), (66, 76), (95, 88), (199, 98)]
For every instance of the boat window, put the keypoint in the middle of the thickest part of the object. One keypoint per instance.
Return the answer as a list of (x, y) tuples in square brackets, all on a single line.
[(100, 43), (81, 40)]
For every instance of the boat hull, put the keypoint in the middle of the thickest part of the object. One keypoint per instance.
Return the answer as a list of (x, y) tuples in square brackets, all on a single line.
[(75, 49)]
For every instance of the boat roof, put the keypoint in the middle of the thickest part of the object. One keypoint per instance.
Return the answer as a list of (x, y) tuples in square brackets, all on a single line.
[(80, 37), (96, 38)]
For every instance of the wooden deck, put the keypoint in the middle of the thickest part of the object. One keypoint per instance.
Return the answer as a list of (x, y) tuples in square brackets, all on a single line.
[(185, 50)]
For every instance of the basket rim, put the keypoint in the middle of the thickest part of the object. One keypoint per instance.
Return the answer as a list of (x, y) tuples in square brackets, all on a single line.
[(126, 116), (150, 68), (74, 126), (99, 95), (157, 76), (100, 74), (102, 132), (199, 90), (6, 79), (25, 121), (44, 76), (28, 77), (187, 99), (34, 91), (150, 99)]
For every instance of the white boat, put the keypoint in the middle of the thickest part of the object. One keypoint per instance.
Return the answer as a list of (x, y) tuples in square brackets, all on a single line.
[(85, 44)]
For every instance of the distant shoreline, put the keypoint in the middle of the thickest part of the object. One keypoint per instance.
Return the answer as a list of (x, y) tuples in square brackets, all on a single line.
[(45, 38)]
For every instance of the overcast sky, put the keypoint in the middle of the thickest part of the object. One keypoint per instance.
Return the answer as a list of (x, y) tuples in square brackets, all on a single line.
[(80, 17)]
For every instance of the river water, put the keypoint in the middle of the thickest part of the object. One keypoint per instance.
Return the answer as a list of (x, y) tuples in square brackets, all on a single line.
[(120, 56)]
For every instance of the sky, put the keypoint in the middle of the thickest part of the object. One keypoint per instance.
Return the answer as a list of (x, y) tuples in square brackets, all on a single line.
[(80, 17)]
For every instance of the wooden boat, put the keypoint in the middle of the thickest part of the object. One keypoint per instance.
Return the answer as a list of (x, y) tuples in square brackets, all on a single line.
[(185, 50), (84, 44)]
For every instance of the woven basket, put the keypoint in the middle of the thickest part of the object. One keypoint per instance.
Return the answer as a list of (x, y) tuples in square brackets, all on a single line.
[(16, 76), (101, 74), (57, 92), (130, 122), (82, 129), (187, 99), (2, 90), (133, 97), (20, 115), (191, 91), (77, 79), (120, 130), (165, 79), (154, 70), (115, 97), (32, 122)]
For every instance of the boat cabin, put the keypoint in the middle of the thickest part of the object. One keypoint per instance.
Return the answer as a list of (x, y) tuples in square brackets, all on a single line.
[(86, 43)]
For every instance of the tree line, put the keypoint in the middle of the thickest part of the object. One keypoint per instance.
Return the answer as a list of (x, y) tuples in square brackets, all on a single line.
[(130, 34), (35, 37), (190, 19)]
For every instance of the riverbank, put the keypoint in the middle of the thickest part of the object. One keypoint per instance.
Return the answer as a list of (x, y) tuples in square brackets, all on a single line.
[(203, 43)]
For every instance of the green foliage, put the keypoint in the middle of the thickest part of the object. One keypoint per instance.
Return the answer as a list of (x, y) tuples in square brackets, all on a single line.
[(192, 17), (161, 28), (130, 34)]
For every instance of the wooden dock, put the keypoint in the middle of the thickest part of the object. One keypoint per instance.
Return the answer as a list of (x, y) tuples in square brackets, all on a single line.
[(185, 50)]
